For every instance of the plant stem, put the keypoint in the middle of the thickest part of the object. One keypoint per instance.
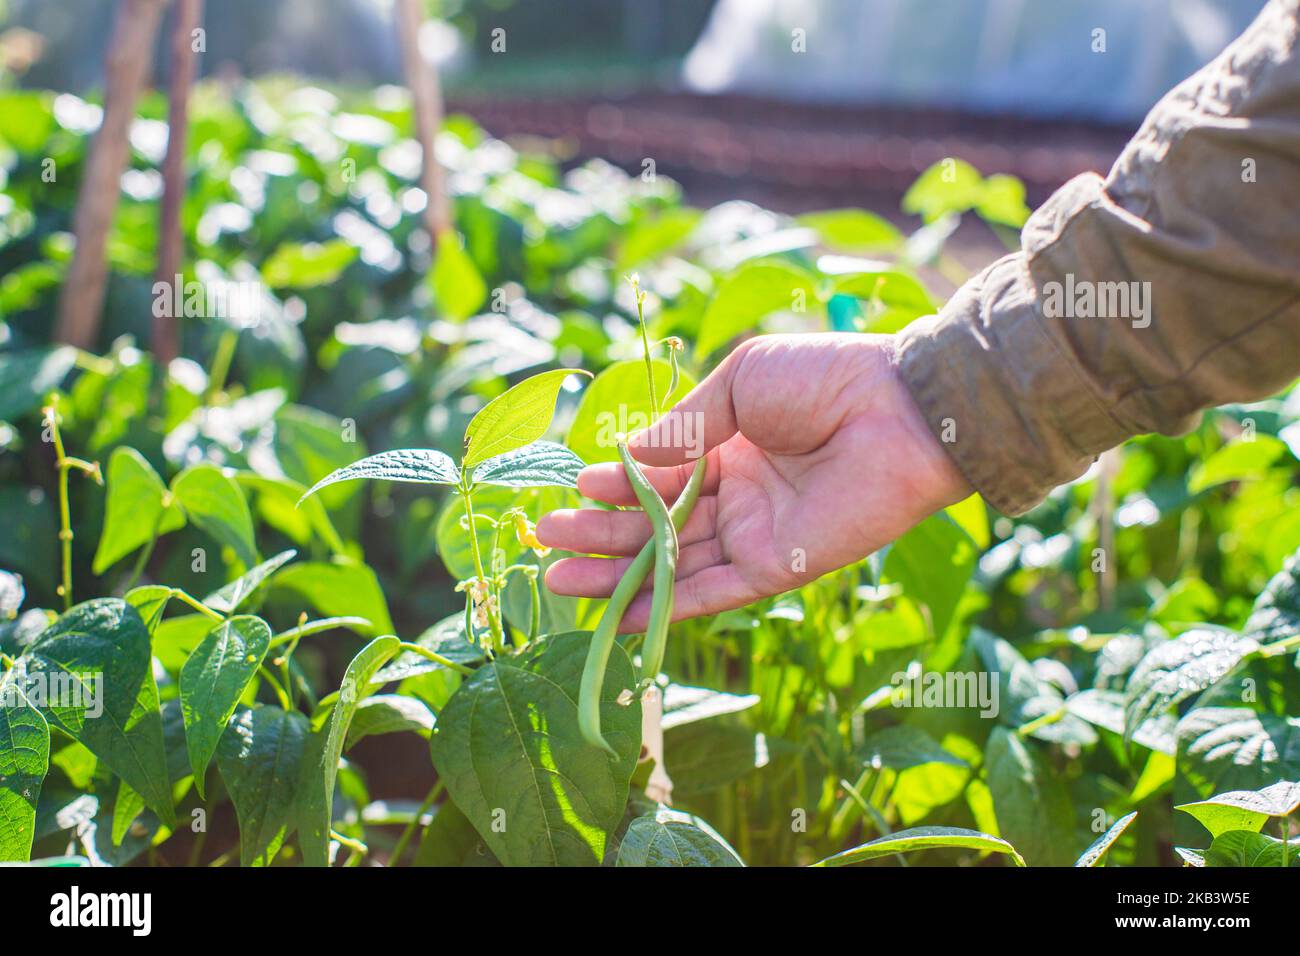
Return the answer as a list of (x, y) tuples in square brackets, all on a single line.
[(147, 551), (221, 362), (196, 604), (645, 348), (409, 831), (275, 685), (436, 658)]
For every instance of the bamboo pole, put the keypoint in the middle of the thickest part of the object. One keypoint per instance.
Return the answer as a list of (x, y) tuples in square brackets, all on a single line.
[(166, 329), (126, 70), (426, 98)]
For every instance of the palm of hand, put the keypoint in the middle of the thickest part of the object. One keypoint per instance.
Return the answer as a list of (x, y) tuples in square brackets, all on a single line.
[(820, 459)]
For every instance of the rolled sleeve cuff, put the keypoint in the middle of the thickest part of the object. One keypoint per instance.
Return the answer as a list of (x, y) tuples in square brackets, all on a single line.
[(1009, 405)]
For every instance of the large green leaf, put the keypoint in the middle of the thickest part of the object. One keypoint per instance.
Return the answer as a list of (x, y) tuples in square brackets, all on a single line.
[(26, 378), (617, 401), (445, 638), (508, 747), (137, 505), (853, 230), (933, 562), (950, 186), (24, 761), (1276, 615), (101, 648), (339, 589), (1245, 809), (923, 838), (1178, 669), (389, 714), (516, 418), (670, 837), (1236, 461), (217, 506), (903, 747), (321, 765), (1030, 800), (418, 465), (306, 265), (744, 298), (1097, 851), (1246, 848), (213, 680), (1234, 748), (458, 287), (230, 597), (543, 463), (260, 758)]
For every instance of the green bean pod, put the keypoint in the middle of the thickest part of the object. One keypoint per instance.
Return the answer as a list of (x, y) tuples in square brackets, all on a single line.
[(602, 639)]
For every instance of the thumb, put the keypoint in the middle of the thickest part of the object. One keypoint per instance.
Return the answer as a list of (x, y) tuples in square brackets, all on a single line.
[(696, 425)]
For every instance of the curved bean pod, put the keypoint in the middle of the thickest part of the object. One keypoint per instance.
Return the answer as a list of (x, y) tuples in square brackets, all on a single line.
[(602, 639)]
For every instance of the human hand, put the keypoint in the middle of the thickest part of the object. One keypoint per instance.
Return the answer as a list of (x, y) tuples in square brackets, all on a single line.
[(817, 457)]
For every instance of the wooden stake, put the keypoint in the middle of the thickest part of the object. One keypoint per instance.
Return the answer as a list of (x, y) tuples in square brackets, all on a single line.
[(126, 69), (426, 97), (166, 329)]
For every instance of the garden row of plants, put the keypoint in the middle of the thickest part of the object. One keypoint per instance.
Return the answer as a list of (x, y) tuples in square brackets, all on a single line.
[(201, 621)]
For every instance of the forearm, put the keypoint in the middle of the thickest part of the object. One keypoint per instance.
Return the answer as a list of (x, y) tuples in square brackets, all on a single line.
[(1169, 287)]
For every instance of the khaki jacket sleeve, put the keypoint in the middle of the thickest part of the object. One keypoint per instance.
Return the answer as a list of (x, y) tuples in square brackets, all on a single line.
[(1171, 286)]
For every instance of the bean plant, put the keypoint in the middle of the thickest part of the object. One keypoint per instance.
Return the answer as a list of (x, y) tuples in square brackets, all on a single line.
[(220, 646)]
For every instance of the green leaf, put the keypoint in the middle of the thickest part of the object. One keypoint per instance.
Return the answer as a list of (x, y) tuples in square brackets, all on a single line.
[(389, 714), (902, 747), (307, 265), (617, 401), (670, 837), (933, 561), (126, 808), (446, 638), (24, 761), (101, 649), (229, 598), (26, 121), (27, 378), (1002, 201), (950, 186), (418, 465), (213, 680), (508, 743), (923, 838), (752, 292), (216, 505), (853, 230), (149, 601), (1173, 671), (685, 705), (339, 589), (321, 765), (1245, 848), (516, 418), (1030, 799), (1235, 748), (458, 287), (280, 504), (652, 239), (1240, 460), (1245, 809), (260, 758), (1276, 615), (137, 504), (543, 463), (1093, 855)]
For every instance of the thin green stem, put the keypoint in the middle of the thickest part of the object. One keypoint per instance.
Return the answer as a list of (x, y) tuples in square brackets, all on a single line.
[(409, 831), (221, 363), (195, 603), (285, 704), (436, 658)]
